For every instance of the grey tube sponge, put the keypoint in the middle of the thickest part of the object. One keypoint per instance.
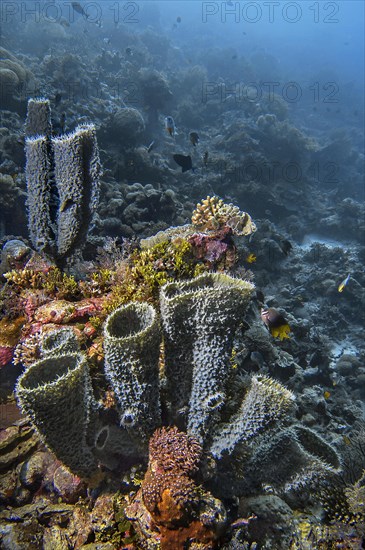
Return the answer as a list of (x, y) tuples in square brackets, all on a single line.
[(132, 347), (77, 171), (264, 404), (59, 342), (38, 170), (291, 458), (62, 183), (38, 121), (56, 394), (199, 319), (113, 442)]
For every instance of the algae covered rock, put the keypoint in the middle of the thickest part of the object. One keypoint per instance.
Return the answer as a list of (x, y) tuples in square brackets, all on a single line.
[(127, 126)]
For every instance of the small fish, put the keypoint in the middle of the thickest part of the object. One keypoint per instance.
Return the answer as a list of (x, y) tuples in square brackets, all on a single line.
[(170, 126), (341, 286), (275, 322), (206, 158), (67, 203), (57, 98), (286, 247), (326, 394), (106, 40), (129, 51), (194, 138), (178, 19), (346, 440), (151, 146), (184, 161), (251, 258), (79, 9), (234, 56), (64, 22)]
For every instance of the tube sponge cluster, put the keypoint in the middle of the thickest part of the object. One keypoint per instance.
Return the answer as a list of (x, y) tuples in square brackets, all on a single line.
[(62, 182), (200, 318), (56, 393)]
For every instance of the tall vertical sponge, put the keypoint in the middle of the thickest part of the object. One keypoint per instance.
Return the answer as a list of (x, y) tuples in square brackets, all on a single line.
[(77, 172), (38, 121), (62, 182), (132, 347), (38, 171), (265, 403), (200, 318), (56, 394)]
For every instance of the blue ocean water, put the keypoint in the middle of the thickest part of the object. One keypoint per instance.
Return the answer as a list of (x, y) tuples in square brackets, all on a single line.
[(259, 103)]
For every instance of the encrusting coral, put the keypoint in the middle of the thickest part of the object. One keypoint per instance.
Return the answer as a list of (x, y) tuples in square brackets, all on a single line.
[(171, 510)]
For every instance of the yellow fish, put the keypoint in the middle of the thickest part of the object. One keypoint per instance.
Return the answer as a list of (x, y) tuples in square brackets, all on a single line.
[(327, 394), (341, 286), (281, 332), (251, 258), (276, 323)]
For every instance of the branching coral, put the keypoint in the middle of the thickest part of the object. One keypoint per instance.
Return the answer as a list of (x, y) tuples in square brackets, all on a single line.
[(53, 281), (149, 269), (212, 214), (342, 494)]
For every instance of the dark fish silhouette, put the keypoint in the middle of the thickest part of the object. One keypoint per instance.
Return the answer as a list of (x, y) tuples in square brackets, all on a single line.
[(286, 246), (184, 161), (206, 158), (79, 9), (194, 138)]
